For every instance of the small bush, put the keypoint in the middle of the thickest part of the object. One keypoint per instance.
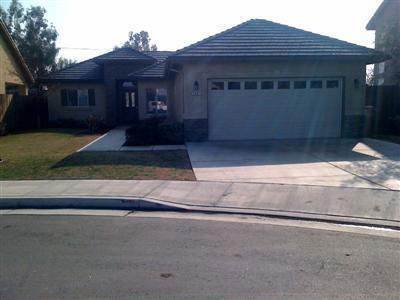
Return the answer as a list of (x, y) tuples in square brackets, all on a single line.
[(68, 123), (95, 124), (171, 134), (3, 128), (396, 124), (154, 131)]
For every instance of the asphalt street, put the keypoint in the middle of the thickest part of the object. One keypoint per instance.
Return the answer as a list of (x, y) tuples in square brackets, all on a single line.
[(82, 257)]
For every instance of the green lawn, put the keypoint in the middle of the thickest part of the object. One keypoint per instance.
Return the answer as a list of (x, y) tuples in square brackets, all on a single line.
[(50, 154)]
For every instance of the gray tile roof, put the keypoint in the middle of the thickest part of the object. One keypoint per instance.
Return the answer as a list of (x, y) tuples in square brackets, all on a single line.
[(125, 53), (159, 55), (262, 38), (92, 70), (85, 71), (157, 70)]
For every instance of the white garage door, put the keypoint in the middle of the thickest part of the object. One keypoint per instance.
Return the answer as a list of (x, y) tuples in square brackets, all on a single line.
[(250, 109)]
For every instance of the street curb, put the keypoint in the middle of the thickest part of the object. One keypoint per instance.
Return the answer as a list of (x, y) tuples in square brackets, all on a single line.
[(133, 203)]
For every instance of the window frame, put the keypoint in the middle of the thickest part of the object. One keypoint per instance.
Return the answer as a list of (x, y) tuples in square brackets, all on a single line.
[(234, 89), (316, 87), (279, 87), (330, 81), (251, 82), (70, 98), (303, 85), (272, 86), (157, 93), (217, 83)]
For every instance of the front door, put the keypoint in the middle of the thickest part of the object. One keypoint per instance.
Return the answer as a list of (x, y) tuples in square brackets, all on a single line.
[(129, 102)]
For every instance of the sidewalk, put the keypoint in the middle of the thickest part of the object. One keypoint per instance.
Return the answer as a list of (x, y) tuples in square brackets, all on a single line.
[(349, 205)]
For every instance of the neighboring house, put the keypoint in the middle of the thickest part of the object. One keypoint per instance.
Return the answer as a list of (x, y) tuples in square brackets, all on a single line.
[(385, 21), (15, 76), (257, 80)]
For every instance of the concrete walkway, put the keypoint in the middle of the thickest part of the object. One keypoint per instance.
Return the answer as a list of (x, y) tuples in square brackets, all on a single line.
[(114, 140), (354, 205)]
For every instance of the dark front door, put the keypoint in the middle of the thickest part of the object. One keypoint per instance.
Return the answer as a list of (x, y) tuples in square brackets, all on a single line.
[(128, 102)]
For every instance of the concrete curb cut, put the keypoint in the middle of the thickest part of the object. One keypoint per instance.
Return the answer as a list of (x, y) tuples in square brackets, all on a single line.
[(131, 203)]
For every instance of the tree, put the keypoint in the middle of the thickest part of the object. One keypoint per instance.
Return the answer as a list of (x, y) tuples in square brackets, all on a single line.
[(63, 63), (34, 36), (139, 41)]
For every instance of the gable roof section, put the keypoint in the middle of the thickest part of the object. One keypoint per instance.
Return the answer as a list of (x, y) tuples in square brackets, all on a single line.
[(15, 51), (372, 23), (262, 38), (123, 54)]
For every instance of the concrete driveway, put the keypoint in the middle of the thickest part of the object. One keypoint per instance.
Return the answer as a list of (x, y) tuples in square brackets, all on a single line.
[(365, 163)]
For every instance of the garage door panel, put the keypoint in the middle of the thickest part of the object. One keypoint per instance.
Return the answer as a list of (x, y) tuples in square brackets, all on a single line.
[(274, 113)]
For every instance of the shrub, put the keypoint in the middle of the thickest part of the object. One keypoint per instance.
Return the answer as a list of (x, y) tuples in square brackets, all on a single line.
[(3, 128), (95, 124), (154, 131), (396, 124), (171, 134)]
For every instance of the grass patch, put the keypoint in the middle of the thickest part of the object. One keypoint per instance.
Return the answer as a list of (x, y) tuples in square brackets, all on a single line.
[(50, 154)]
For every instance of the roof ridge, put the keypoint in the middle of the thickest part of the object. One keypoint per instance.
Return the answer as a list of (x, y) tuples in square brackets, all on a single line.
[(211, 37)]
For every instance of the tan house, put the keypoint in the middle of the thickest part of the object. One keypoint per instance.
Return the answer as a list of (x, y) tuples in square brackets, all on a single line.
[(15, 76), (386, 21), (257, 80)]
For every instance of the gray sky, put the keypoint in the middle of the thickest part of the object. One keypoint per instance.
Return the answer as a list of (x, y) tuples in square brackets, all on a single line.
[(173, 24)]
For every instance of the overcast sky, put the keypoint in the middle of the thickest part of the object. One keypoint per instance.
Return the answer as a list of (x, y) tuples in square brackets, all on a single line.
[(173, 24)]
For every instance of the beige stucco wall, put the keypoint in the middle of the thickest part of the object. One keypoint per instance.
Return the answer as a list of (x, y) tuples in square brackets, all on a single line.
[(195, 106), (10, 71), (57, 111), (173, 110)]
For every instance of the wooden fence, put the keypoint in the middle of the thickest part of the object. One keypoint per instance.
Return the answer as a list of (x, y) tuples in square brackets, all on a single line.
[(384, 101), (23, 112)]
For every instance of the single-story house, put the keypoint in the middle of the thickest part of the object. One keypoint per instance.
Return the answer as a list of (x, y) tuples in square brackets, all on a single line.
[(257, 80), (15, 76)]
